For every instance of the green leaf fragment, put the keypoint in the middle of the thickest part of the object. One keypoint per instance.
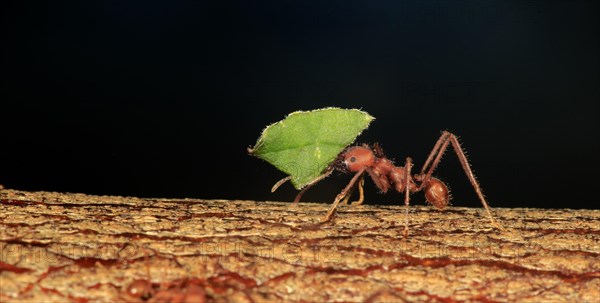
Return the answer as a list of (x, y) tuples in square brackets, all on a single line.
[(304, 143)]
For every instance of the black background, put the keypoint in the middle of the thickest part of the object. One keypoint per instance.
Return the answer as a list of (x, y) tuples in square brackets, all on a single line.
[(161, 98)]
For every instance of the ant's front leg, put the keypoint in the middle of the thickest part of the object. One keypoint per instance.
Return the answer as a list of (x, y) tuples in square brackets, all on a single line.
[(361, 193), (342, 194)]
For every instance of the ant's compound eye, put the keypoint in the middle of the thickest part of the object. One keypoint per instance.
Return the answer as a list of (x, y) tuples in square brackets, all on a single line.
[(353, 159)]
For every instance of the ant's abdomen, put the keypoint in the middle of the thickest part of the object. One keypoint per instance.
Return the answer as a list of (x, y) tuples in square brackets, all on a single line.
[(436, 193)]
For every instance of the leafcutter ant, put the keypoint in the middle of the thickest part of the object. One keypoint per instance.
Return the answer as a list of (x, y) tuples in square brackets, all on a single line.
[(371, 160)]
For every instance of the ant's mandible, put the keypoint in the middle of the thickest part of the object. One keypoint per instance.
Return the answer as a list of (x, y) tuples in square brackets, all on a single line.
[(386, 175)]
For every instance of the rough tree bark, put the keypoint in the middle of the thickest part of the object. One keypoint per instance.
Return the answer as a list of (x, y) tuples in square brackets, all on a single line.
[(75, 247)]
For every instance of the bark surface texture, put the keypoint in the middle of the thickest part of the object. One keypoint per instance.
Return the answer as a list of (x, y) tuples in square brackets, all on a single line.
[(82, 248)]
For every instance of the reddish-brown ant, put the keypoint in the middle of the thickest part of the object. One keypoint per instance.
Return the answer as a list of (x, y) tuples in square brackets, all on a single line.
[(386, 175)]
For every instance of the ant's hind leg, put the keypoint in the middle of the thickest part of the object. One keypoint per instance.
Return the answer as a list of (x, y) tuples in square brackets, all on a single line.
[(438, 151), (467, 168)]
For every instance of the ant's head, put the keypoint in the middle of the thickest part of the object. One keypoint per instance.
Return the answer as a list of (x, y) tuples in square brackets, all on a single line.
[(357, 157)]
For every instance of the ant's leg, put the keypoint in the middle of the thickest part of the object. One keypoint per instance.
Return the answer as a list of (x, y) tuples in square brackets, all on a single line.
[(347, 197), (361, 192), (315, 181), (447, 138), (438, 150), (407, 168), (342, 194), (467, 168), (443, 138), (279, 183)]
